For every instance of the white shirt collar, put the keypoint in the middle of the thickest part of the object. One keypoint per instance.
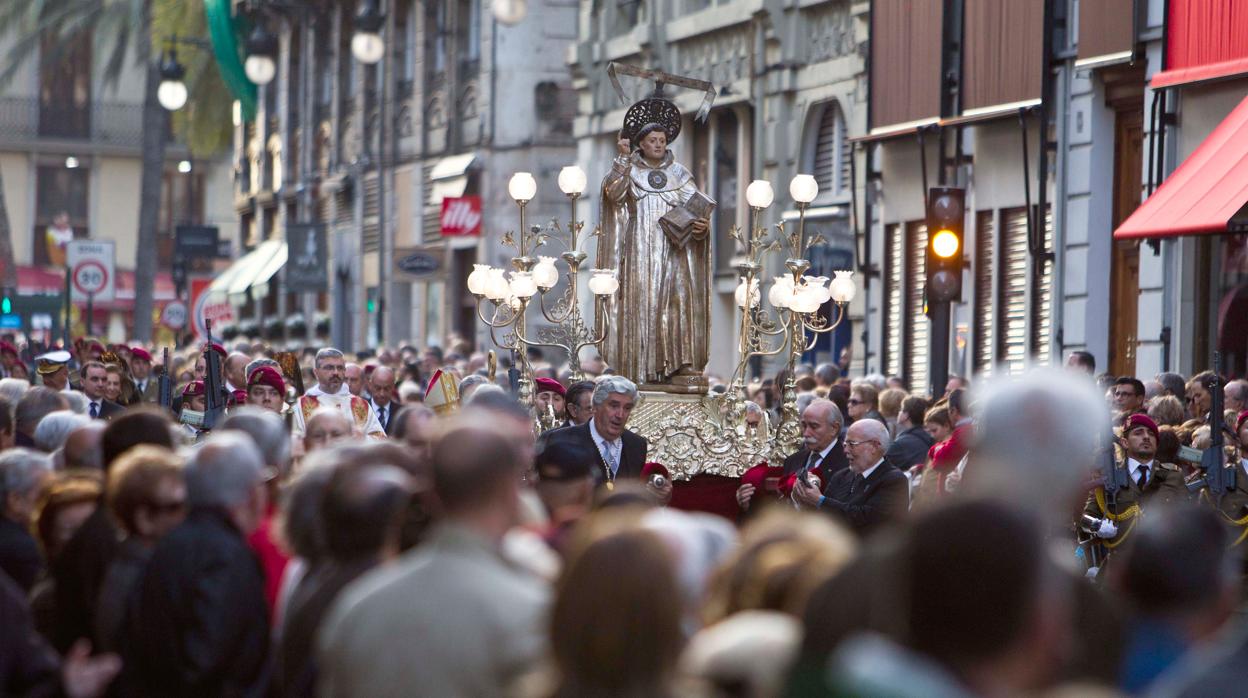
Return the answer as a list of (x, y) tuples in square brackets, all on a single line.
[(1133, 467), (824, 453), (867, 473), (343, 391), (599, 439)]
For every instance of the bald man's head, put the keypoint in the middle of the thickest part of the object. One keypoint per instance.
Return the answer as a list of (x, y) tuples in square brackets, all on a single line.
[(236, 369), (355, 379), (381, 385), (324, 427), (82, 446)]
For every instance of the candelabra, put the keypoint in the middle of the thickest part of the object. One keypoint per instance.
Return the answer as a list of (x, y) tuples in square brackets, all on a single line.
[(511, 298), (796, 298)]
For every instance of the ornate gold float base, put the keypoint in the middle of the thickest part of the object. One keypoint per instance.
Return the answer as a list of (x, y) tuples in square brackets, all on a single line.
[(690, 435)]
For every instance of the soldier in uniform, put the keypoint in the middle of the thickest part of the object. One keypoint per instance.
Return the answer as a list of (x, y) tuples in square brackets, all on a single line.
[(1234, 504), (1149, 481)]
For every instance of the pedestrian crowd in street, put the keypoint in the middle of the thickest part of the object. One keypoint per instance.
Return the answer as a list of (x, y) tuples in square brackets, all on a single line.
[(257, 523)]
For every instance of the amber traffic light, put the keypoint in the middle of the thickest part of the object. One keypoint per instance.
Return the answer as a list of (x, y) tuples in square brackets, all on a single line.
[(946, 212)]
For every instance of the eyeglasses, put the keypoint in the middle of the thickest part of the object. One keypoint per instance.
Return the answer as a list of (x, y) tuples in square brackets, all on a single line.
[(853, 401), (856, 444)]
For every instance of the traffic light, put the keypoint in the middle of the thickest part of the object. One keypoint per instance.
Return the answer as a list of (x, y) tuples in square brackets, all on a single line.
[(946, 214), (6, 300)]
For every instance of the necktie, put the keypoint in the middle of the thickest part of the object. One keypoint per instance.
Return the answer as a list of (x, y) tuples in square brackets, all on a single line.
[(612, 463), (381, 416), (1142, 476), (95, 411), (858, 484)]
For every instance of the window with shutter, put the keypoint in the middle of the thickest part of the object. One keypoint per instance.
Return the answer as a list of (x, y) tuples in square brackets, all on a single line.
[(372, 218), (894, 269), (1042, 309), (830, 165), (984, 266), (1012, 310), (917, 323)]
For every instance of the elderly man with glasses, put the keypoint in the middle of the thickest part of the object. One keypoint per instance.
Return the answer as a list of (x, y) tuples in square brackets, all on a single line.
[(867, 495)]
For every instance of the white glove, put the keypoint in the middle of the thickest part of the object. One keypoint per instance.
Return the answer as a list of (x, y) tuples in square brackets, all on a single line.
[(1092, 572), (1107, 530)]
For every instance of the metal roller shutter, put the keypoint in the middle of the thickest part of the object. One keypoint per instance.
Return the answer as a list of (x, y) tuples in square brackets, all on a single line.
[(917, 322), (1042, 308), (894, 268), (1012, 313), (984, 267), (828, 149)]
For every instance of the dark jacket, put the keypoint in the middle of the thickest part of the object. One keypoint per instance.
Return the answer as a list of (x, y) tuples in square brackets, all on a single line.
[(28, 665), (108, 408), (19, 554), (883, 498), (391, 409), (116, 592), (909, 448), (79, 572), (198, 624), (295, 665), (632, 457), (833, 464)]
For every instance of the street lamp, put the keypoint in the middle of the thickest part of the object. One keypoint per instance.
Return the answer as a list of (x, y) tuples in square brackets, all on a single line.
[(261, 64), (172, 91), (367, 45)]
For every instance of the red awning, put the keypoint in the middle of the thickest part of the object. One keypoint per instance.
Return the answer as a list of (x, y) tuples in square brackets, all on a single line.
[(1206, 194)]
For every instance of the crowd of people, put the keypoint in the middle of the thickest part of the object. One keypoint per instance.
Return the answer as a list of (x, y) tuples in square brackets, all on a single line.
[(400, 524)]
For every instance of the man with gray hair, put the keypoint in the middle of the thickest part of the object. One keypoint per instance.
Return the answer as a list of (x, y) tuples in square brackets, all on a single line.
[(83, 448), (331, 391), (621, 453), (199, 623), (23, 473), (823, 454), (37, 403), (870, 493), (53, 429)]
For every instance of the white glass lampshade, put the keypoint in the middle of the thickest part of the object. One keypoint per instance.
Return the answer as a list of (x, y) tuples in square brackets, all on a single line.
[(843, 287), (754, 294), (522, 186), (820, 285), (803, 188), (602, 282), (260, 69), (479, 279), (496, 287), (545, 273), (805, 299), (510, 11), (759, 194), (572, 180), (522, 284), (781, 292), (367, 47), (171, 94)]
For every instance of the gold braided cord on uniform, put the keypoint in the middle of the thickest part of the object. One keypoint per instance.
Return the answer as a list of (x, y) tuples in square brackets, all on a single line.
[(1130, 515), (1242, 522)]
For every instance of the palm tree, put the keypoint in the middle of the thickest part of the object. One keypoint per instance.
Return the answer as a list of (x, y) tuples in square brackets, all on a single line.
[(126, 23)]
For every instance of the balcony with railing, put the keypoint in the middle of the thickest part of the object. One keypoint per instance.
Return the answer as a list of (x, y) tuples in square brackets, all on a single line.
[(116, 125)]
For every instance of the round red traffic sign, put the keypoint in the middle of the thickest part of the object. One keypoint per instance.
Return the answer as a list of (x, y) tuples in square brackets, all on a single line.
[(90, 276)]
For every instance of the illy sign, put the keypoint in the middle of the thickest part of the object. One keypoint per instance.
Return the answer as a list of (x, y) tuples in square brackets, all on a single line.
[(461, 216)]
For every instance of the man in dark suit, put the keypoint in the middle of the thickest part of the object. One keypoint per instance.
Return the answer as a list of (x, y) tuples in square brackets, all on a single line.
[(621, 453), (823, 455), (870, 493), (381, 394), (94, 381)]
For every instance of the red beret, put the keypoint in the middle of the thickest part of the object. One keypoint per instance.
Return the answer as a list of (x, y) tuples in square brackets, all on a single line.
[(759, 474), (238, 397), (267, 375), (1239, 421), (1141, 420), (651, 469), (217, 348), (96, 346), (7, 347), (193, 389), (551, 385), (140, 353)]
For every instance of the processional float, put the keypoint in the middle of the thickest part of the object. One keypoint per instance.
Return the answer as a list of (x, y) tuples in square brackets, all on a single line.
[(651, 290)]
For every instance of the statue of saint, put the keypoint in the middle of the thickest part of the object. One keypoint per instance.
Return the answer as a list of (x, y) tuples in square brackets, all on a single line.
[(654, 224)]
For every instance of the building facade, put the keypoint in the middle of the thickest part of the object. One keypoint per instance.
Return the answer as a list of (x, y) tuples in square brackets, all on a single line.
[(71, 161), (790, 88), (456, 105)]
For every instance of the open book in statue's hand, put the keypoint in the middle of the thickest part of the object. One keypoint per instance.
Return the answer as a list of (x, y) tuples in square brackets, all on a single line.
[(677, 223)]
